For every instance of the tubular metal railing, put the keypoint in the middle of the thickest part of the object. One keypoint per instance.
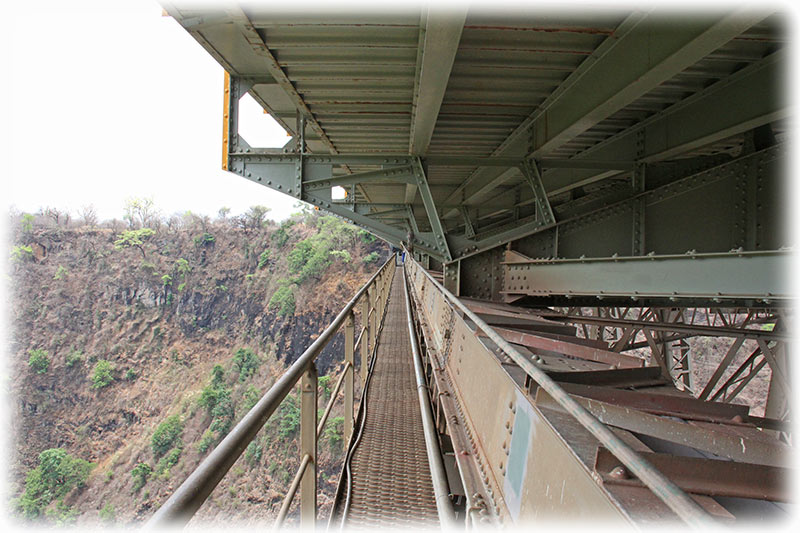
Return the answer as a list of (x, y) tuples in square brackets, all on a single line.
[(194, 491), (669, 493)]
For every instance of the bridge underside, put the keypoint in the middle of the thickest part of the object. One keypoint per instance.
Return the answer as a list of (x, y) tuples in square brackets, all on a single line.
[(596, 186), (557, 136)]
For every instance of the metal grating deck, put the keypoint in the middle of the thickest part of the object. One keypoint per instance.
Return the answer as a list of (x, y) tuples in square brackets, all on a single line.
[(391, 476)]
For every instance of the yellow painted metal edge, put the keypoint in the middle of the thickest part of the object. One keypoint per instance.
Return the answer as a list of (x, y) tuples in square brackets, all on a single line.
[(225, 120)]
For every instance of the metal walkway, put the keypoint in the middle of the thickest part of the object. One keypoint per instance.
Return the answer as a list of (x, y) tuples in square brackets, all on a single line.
[(391, 480)]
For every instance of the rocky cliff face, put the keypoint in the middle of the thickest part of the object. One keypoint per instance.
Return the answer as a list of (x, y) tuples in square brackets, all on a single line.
[(131, 335)]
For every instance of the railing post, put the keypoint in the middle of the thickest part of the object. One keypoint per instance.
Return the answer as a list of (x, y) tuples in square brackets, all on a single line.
[(373, 324), (308, 445), (365, 336), (349, 360)]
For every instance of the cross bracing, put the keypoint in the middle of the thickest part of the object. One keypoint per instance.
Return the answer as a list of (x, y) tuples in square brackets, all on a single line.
[(576, 135)]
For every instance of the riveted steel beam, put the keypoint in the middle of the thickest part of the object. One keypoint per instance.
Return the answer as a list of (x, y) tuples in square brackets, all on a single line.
[(533, 176), (744, 100), (423, 242), (442, 33), (749, 98), (469, 229), (510, 229), (412, 220), (644, 54), (402, 174), (737, 276), (443, 249)]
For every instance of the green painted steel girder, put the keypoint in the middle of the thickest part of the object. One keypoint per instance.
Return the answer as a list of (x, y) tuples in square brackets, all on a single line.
[(423, 242), (441, 245), (749, 98), (645, 53), (516, 229), (403, 174), (439, 44), (760, 276)]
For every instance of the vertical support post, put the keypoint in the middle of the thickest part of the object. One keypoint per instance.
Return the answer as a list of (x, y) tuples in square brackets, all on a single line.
[(452, 277), (373, 322), (349, 357), (308, 445), (365, 336), (637, 232)]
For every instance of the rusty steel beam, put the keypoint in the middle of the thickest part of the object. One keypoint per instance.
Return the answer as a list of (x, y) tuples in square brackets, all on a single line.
[(662, 404), (738, 448), (710, 477), (695, 329), (589, 353), (646, 376)]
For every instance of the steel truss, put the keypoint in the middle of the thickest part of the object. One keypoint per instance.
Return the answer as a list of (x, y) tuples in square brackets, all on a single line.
[(665, 336)]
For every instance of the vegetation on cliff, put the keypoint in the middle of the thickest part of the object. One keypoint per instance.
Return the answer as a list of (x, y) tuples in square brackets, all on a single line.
[(138, 344)]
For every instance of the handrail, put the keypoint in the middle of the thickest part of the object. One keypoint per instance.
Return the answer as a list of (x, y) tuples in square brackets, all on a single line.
[(334, 395), (441, 491), (290, 494), (669, 493), (193, 492), (287, 501)]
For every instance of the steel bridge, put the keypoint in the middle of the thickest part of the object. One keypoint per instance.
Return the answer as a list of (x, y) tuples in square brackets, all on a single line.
[(582, 200)]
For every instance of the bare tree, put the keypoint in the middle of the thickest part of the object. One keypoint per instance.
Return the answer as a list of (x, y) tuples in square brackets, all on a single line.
[(53, 214), (88, 215), (255, 216), (140, 212)]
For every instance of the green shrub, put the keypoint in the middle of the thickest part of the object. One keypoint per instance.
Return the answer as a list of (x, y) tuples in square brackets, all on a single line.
[(134, 238), (168, 461), (101, 376), (167, 435), (216, 399), (211, 392), (182, 267), (263, 259), (61, 272), (246, 362), (310, 257), (21, 253), (108, 514), (289, 413), (26, 224), (62, 515), (131, 374), (208, 438), (370, 257), (166, 280), (324, 383), (55, 476), (366, 237), (250, 398), (281, 235), (74, 357), (222, 413), (204, 240), (342, 255), (39, 360), (253, 453), (140, 473), (333, 431), (283, 299)]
